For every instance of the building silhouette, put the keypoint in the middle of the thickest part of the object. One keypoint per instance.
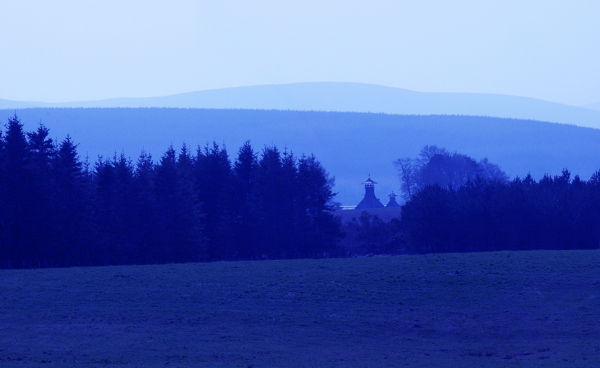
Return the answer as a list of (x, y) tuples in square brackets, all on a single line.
[(370, 201), (392, 202)]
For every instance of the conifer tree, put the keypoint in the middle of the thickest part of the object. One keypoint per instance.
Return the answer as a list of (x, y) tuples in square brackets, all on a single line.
[(16, 205), (267, 196), (321, 229), (41, 155), (146, 214), (179, 218), (243, 218), (213, 190), (3, 246), (73, 210), (292, 240), (114, 211)]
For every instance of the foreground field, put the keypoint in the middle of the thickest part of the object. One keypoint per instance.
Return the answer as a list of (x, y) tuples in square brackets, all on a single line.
[(481, 309)]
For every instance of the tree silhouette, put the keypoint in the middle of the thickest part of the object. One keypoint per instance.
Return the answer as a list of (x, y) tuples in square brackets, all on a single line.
[(55, 211), (16, 206)]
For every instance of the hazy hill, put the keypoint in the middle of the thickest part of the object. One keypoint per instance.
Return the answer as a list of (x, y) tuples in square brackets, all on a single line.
[(8, 104), (593, 106), (352, 97), (350, 145)]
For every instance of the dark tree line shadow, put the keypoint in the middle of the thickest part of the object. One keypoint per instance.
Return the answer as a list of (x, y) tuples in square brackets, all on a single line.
[(56, 210)]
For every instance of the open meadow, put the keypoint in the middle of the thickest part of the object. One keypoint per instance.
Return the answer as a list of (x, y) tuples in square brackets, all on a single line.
[(499, 309)]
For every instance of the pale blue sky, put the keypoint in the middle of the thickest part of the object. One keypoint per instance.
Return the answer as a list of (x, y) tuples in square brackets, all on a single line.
[(55, 51)]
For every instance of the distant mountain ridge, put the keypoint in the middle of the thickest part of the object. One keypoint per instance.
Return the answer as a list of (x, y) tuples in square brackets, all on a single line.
[(353, 97), (593, 106)]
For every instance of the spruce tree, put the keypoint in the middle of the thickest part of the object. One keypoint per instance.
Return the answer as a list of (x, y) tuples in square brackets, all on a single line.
[(290, 213), (73, 210), (3, 246), (267, 198), (114, 210), (321, 229), (213, 178), (179, 218), (243, 217), (146, 212), (17, 205), (42, 152)]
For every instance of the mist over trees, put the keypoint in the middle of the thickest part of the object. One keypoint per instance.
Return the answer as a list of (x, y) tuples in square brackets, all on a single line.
[(188, 206)]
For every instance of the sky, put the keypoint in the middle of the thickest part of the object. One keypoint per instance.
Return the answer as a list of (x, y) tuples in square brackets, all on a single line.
[(59, 51)]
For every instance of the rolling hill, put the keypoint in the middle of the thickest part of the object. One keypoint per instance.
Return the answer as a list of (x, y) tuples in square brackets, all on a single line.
[(350, 145), (352, 97), (593, 106)]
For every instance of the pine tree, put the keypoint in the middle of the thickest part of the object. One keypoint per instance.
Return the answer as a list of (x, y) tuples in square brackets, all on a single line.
[(267, 196), (321, 230), (17, 205), (73, 209), (179, 218), (290, 213), (213, 189), (3, 234), (114, 211), (42, 152), (243, 218), (146, 210)]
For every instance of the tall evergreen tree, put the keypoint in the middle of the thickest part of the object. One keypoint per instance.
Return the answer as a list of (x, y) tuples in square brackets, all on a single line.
[(320, 232), (17, 205), (3, 246), (146, 213), (114, 211), (243, 217), (73, 208), (267, 197), (291, 213), (179, 217), (42, 153), (213, 189)]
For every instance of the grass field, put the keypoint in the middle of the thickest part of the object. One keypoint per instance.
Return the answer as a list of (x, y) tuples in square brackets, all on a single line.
[(517, 309)]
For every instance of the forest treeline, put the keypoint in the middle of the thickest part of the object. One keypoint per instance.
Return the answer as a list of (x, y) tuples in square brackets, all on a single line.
[(553, 213), (56, 210), (456, 204)]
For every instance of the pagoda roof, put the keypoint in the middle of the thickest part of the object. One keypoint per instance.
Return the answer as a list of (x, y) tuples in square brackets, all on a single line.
[(370, 201), (392, 202), (369, 181)]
